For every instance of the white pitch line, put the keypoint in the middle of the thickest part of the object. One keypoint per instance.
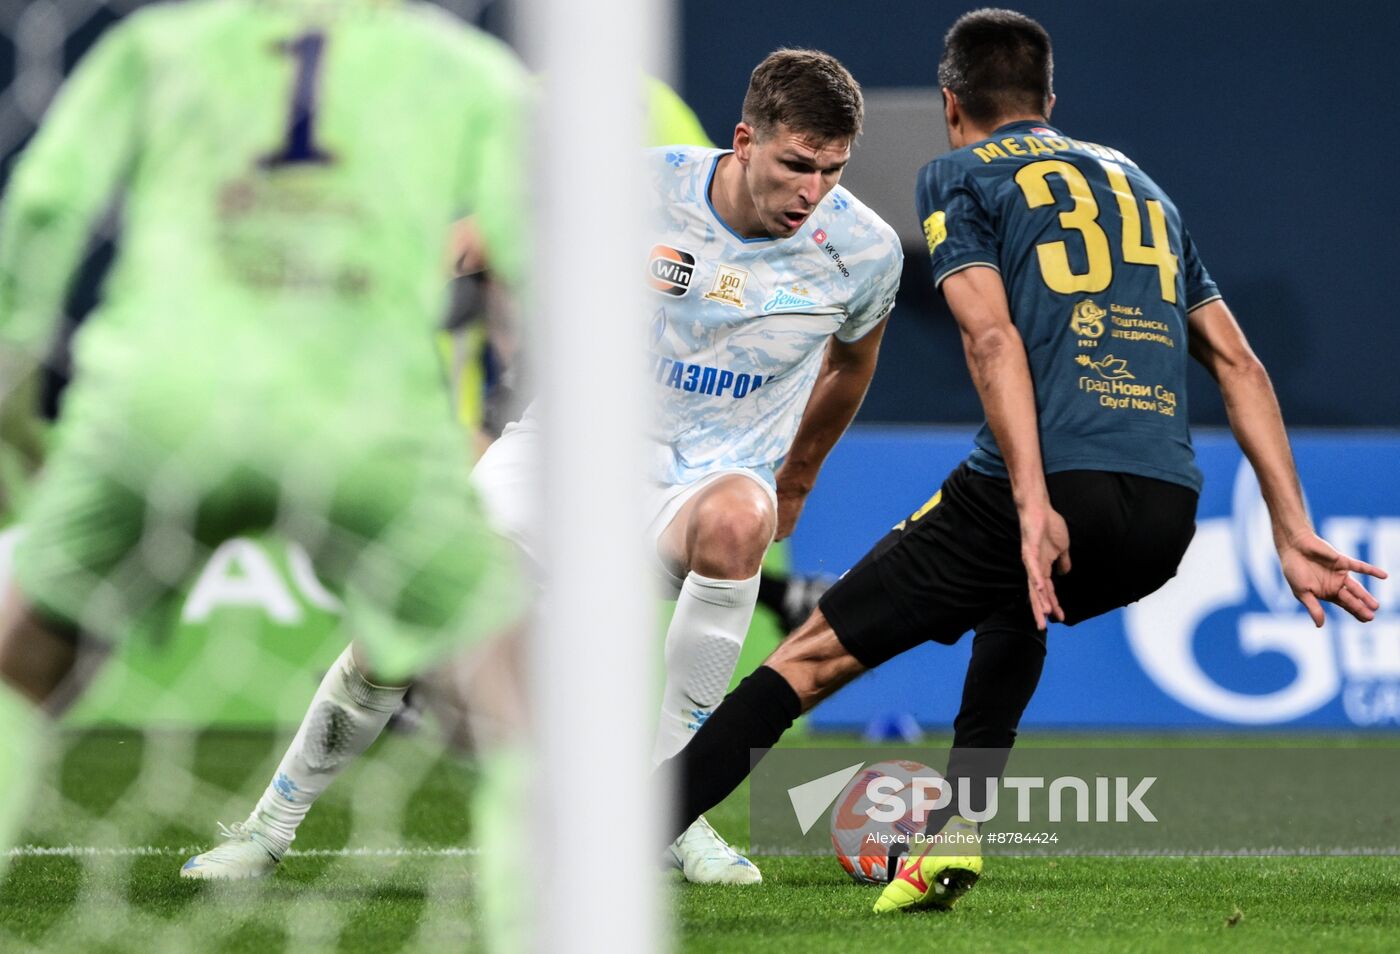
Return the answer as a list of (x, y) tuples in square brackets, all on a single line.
[(91, 851)]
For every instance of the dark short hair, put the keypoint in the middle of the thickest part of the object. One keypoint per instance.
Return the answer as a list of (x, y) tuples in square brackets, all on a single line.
[(998, 63), (808, 91)]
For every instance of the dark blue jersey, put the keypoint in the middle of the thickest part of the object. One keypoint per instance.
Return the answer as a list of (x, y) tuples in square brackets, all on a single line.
[(1099, 273)]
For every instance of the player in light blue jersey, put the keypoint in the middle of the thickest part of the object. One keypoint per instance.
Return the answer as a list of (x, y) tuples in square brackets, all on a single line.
[(772, 285), (741, 328)]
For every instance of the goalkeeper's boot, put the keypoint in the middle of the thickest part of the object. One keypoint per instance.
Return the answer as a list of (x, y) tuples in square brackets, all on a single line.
[(706, 858), (950, 864), (245, 853)]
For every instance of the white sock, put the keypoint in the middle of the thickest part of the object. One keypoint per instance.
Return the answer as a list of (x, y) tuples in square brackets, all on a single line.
[(702, 649), (347, 713)]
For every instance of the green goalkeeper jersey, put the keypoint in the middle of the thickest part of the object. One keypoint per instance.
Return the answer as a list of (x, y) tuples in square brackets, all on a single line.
[(286, 172), (263, 357)]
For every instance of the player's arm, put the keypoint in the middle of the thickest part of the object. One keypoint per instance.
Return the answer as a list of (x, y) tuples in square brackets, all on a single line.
[(493, 187), (996, 357), (63, 182), (847, 368), (1313, 568), (22, 436)]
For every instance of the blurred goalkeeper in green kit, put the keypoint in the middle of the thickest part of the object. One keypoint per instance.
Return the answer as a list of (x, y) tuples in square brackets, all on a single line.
[(263, 357)]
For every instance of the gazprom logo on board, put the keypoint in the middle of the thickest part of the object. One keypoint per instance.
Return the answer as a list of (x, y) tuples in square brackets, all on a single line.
[(1229, 598)]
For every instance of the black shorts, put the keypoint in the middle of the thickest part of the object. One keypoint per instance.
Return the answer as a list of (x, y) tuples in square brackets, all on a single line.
[(957, 560)]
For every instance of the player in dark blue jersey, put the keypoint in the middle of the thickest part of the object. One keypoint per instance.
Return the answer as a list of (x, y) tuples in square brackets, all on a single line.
[(1099, 277), (1079, 295)]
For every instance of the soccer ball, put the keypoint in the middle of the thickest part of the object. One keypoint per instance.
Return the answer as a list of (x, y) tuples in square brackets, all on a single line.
[(869, 850)]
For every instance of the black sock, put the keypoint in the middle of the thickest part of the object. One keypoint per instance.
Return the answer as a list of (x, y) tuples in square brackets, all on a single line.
[(772, 591), (1008, 654), (753, 716)]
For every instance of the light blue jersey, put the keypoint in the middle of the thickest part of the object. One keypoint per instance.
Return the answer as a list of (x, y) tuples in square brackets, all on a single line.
[(740, 325)]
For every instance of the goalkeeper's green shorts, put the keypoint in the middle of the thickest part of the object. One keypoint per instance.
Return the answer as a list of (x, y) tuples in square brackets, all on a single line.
[(121, 520)]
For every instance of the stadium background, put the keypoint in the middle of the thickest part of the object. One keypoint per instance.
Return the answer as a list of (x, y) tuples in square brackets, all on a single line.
[(1262, 122)]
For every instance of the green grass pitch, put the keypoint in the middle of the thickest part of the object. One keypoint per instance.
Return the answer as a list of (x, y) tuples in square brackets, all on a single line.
[(417, 893)]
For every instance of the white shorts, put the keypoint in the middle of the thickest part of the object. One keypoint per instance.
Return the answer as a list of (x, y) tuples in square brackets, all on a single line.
[(507, 479)]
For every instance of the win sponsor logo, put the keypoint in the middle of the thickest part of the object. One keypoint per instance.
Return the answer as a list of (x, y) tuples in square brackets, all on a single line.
[(670, 270)]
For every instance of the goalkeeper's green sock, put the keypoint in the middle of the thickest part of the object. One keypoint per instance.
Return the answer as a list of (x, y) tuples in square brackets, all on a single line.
[(22, 740), (499, 809)]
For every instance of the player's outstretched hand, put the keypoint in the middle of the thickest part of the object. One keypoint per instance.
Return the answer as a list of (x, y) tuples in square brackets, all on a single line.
[(1044, 551), (1316, 571)]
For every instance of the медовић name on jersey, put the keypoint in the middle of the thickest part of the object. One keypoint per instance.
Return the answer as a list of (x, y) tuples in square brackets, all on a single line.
[(1046, 144)]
